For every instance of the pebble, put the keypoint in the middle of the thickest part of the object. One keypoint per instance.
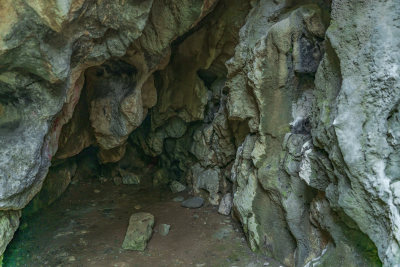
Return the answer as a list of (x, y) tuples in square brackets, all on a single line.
[(97, 191), (137, 207), (71, 258), (179, 199), (163, 229), (103, 179), (193, 203)]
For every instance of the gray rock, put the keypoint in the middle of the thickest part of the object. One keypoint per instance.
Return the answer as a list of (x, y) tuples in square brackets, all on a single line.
[(42, 78), (163, 229), (139, 231), (177, 187), (225, 205), (206, 179), (178, 199), (193, 203), (9, 222), (129, 177)]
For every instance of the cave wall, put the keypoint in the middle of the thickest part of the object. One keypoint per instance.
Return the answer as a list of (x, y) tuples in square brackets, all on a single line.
[(292, 107)]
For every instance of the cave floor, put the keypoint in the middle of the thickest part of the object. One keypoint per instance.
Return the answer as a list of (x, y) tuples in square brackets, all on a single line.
[(87, 225)]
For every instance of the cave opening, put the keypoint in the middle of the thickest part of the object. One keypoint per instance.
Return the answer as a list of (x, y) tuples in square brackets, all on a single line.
[(139, 147), (197, 133)]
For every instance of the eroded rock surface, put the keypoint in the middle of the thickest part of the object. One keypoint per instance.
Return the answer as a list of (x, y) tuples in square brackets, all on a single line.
[(289, 109), (139, 231)]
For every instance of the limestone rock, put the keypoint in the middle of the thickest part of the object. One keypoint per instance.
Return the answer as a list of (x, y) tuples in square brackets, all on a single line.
[(207, 179), (115, 113), (178, 199), (161, 177), (271, 62), (56, 182), (177, 187), (129, 177), (163, 229), (43, 75), (9, 222), (139, 231), (112, 155), (193, 203), (225, 205)]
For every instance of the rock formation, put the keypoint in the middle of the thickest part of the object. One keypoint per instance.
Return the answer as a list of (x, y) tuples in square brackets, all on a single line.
[(290, 108)]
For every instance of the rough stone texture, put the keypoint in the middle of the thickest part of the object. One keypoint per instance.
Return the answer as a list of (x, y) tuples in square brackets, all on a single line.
[(57, 181), (45, 47), (177, 187), (163, 229), (356, 117), (207, 179), (270, 199), (193, 203), (294, 109), (9, 222), (129, 177), (139, 231), (225, 205)]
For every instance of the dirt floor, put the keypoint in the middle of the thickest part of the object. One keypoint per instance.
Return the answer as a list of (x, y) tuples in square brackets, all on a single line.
[(87, 225)]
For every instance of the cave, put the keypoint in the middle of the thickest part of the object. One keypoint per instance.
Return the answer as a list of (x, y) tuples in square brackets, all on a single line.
[(199, 133)]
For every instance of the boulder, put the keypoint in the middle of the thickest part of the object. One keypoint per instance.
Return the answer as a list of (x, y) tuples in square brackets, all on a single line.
[(139, 231)]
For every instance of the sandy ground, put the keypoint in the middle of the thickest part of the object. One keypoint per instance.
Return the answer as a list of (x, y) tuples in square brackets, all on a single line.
[(87, 225)]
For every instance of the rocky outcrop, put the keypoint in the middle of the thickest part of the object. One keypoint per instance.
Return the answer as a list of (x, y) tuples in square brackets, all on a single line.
[(355, 118), (289, 109), (311, 160), (45, 47)]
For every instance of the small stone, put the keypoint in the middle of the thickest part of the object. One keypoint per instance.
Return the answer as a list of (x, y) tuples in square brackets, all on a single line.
[(196, 216), (163, 229), (129, 178), (225, 205), (137, 207), (193, 203), (266, 263), (139, 231), (97, 191), (177, 187), (71, 259), (179, 199), (103, 179)]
